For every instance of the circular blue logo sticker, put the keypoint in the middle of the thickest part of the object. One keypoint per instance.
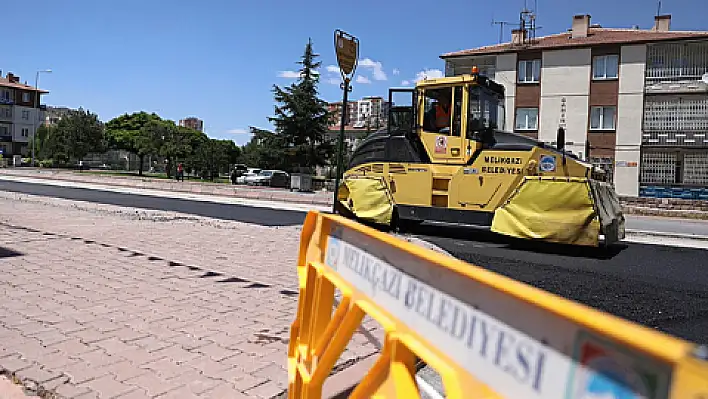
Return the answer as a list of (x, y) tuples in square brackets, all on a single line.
[(547, 163)]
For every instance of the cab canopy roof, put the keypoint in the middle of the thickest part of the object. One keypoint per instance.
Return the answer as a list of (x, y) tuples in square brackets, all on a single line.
[(461, 80)]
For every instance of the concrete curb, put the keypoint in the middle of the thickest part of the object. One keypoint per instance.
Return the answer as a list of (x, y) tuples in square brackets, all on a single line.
[(683, 236), (667, 213)]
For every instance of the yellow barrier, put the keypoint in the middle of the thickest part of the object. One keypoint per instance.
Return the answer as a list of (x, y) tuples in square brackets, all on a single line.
[(488, 336)]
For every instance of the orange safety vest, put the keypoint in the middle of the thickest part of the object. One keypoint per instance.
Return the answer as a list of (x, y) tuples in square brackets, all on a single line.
[(442, 117)]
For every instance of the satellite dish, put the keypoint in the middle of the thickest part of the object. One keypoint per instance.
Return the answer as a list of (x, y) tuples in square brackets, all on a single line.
[(705, 78)]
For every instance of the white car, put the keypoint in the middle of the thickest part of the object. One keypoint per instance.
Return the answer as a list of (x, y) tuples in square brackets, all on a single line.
[(261, 179), (250, 173), (273, 178)]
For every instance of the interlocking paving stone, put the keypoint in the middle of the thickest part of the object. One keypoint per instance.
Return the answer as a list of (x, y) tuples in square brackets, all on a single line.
[(106, 301)]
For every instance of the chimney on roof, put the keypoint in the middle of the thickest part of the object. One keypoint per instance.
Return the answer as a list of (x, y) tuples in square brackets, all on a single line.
[(12, 78), (518, 36), (581, 24), (662, 23)]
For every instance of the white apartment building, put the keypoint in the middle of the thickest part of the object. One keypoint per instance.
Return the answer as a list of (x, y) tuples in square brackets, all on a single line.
[(640, 97), (370, 110), (20, 115)]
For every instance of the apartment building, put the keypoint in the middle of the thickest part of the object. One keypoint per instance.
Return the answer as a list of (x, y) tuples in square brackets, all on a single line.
[(336, 109), (192, 123), (370, 112), (640, 97), (20, 114), (54, 114)]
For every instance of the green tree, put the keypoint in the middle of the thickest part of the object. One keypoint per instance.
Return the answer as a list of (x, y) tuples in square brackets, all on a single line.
[(212, 156), (77, 134), (54, 146), (169, 141), (265, 150), (126, 132), (302, 121), (40, 138), (233, 152)]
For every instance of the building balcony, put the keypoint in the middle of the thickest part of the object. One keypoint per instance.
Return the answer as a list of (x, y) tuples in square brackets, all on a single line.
[(675, 139), (6, 101), (676, 87), (6, 139)]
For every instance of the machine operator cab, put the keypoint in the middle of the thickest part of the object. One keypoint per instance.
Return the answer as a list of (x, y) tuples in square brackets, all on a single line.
[(447, 120), (459, 116)]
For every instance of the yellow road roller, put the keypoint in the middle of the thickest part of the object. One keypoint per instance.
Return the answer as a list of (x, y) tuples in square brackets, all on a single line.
[(445, 157)]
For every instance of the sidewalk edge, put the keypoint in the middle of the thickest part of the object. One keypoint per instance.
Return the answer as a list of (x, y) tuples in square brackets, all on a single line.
[(684, 236)]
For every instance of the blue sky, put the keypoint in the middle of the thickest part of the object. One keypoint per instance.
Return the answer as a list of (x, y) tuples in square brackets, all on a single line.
[(218, 59)]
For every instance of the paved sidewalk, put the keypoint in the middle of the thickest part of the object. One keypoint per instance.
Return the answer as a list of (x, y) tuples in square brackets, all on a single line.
[(102, 302), (9, 390)]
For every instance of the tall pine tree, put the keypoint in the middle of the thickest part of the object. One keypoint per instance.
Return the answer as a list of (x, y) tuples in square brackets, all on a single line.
[(302, 119)]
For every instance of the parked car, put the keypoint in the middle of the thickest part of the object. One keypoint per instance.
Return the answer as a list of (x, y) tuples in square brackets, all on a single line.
[(273, 178), (250, 172), (280, 179), (238, 171)]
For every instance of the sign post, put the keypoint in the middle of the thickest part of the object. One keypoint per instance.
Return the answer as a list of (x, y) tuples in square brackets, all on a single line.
[(347, 48)]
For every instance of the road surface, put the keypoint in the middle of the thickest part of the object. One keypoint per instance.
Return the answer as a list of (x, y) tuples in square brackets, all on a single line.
[(658, 286), (261, 216)]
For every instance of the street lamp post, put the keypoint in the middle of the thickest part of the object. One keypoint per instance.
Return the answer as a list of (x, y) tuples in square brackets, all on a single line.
[(36, 102)]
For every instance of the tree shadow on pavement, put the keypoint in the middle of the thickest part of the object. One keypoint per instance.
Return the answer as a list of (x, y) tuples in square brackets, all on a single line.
[(474, 234)]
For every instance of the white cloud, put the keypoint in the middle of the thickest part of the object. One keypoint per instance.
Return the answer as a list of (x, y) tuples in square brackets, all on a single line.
[(334, 81), (332, 68), (396, 72), (429, 74), (238, 131), (289, 74), (363, 79), (406, 83), (376, 68), (294, 74)]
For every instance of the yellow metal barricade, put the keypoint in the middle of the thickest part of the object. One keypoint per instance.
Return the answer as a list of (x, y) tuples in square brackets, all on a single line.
[(487, 336)]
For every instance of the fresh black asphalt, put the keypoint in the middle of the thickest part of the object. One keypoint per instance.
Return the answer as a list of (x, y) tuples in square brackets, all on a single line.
[(242, 213), (659, 286)]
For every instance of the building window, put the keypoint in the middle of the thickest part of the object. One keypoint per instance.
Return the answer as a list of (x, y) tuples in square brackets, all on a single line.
[(527, 119), (602, 118), (25, 97), (605, 67), (4, 131), (25, 132), (25, 115), (530, 71)]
